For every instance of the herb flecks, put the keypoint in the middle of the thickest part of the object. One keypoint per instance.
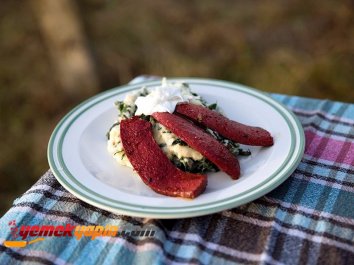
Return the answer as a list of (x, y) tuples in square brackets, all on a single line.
[(125, 111)]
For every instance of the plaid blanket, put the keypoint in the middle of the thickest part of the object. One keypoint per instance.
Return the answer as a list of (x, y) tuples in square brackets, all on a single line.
[(308, 219)]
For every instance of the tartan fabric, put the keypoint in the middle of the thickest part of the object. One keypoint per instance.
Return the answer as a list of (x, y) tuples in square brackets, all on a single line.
[(309, 219)]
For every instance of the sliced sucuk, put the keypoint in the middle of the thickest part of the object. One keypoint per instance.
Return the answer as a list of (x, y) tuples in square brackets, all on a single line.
[(153, 166), (200, 141), (230, 129)]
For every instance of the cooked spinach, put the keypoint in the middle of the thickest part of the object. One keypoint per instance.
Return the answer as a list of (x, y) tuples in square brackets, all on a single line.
[(114, 124), (242, 152), (213, 106), (179, 142), (194, 166), (145, 117), (233, 147)]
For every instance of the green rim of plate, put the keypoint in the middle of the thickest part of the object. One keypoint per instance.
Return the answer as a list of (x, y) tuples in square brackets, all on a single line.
[(62, 173)]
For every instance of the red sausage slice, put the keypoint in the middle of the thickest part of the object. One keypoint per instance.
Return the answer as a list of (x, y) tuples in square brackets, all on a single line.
[(153, 166), (230, 129), (201, 141)]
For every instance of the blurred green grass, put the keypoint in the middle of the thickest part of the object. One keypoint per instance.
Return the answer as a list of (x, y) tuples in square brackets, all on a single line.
[(292, 47)]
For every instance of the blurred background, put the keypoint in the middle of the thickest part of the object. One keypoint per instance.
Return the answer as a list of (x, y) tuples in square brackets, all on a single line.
[(54, 54)]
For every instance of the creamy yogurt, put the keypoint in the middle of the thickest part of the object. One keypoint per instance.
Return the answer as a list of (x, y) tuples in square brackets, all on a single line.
[(163, 98)]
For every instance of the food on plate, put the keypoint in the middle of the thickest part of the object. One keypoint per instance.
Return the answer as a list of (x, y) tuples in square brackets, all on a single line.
[(153, 166), (201, 141), (230, 129), (166, 133), (165, 98)]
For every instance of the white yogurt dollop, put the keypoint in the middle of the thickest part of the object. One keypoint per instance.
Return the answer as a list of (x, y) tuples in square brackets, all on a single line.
[(163, 98)]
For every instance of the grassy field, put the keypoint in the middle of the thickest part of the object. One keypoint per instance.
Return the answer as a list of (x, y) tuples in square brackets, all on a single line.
[(292, 47)]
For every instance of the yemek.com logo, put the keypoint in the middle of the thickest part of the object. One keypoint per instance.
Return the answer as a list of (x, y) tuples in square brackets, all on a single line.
[(22, 234)]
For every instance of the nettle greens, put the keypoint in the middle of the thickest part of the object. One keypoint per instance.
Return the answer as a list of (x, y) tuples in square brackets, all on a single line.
[(180, 154)]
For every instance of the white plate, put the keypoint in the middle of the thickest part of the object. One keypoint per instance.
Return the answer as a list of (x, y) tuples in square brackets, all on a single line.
[(79, 159)]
